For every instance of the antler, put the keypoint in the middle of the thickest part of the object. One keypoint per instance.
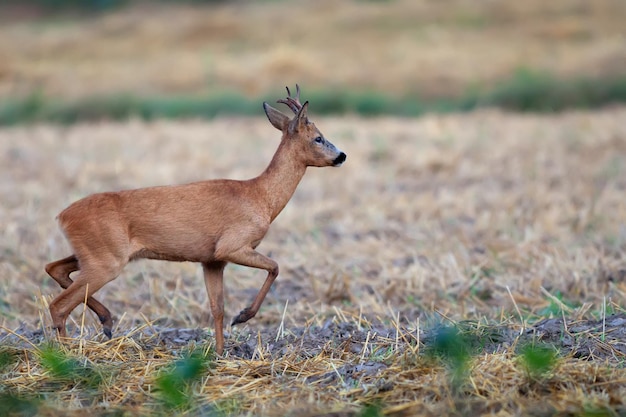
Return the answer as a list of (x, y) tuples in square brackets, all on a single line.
[(292, 102)]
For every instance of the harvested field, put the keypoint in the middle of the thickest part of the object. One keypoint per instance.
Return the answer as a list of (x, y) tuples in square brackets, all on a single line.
[(428, 48), (509, 228)]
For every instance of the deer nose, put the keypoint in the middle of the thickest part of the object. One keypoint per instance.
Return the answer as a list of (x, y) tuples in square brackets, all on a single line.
[(340, 159)]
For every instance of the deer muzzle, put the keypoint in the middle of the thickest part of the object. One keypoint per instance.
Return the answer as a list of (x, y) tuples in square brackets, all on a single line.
[(339, 160)]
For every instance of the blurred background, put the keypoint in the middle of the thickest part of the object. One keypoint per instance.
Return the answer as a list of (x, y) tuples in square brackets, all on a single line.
[(68, 60)]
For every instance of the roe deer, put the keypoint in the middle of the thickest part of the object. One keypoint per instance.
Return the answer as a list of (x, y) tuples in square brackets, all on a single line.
[(212, 222)]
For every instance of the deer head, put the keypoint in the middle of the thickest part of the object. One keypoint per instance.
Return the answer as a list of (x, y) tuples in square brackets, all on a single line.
[(314, 148)]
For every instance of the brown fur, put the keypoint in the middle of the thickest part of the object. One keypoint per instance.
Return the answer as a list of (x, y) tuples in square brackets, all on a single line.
[(212, 222)]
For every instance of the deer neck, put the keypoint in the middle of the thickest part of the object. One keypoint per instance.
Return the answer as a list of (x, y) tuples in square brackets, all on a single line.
[(279, 180)]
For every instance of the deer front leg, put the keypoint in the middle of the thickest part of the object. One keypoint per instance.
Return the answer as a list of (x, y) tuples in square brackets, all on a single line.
[(249, 257), (214, 281)]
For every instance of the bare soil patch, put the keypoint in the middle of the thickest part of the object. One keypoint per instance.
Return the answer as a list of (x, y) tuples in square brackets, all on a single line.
[(601, 340)]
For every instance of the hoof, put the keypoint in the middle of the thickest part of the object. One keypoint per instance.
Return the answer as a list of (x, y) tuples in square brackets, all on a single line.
[(60, 332), (107, 333), (243, 317)]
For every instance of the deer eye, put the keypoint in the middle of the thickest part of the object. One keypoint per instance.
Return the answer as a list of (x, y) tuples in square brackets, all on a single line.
[(319, 139)]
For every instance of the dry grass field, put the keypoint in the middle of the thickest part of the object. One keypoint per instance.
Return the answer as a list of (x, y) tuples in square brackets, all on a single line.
[(466, 264), (429, 48), (511, 227)]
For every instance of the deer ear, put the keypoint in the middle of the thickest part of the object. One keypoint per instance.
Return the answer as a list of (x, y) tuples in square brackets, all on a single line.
[(301, 119), (302, 114), (279, 120)]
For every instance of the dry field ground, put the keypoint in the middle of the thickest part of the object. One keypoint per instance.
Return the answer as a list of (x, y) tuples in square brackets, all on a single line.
[(429, 48), (512, 226), (509, 227)]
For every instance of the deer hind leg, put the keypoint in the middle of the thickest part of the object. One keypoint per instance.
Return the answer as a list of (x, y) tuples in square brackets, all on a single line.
[(91, 278), (60, 270), (214, 280), (249, 257)]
